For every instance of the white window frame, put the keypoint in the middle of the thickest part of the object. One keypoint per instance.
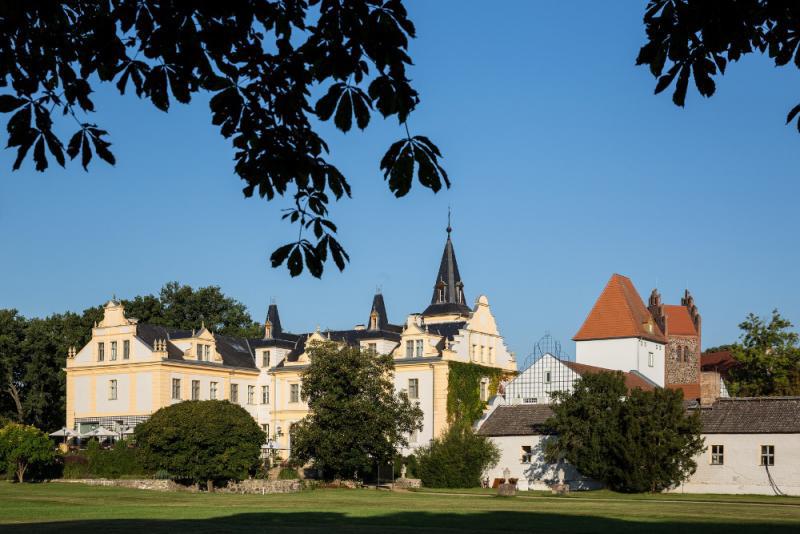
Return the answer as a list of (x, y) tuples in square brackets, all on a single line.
[(113, 351), (251, 395), (212, 390), (126, 349), (413, 388), (419, 348), (265, 358), (176, 389), (717, 455), (768, 455), (101, 351), (234, 393), (265, 394), (294, 393), (409, 348), (195, 390)]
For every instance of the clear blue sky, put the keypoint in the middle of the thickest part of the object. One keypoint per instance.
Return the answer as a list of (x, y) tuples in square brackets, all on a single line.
[(565, 167)]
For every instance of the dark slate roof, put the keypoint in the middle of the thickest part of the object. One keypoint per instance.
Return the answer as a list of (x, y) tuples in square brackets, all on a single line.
[(448, 289), (379, 307), (446, 330), (350, 337), (516, 420), (752, 415), (275, 319), (235, 352), (149, 333)]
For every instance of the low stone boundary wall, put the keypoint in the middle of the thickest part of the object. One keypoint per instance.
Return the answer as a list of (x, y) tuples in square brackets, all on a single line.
[(263, 487), (407, 483), (145, 483)]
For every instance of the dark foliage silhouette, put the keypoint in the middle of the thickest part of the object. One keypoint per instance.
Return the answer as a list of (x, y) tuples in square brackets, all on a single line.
[(262, 61)]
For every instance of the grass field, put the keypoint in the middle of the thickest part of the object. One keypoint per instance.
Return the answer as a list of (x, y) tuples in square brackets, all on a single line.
[(69, 507)]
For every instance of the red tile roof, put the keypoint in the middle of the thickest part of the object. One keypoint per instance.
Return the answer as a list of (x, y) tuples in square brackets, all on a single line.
[(679, 322), (632, 380), (619, 312), (721, 361), (690, 391)]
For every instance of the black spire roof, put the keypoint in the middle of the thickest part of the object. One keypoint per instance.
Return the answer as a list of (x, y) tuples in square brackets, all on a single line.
[(275, 320), (448, 290), (379, 308)]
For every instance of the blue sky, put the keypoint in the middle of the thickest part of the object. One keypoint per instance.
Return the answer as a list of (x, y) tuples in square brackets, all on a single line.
[(566, 168)]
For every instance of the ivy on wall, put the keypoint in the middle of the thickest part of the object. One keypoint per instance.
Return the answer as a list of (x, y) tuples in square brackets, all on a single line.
[(464, 402)]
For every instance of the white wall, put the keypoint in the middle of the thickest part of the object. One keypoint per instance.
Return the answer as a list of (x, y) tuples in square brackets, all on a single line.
[(538, 474), (145, 393), (626, 354), (105, 405), (741, 471)]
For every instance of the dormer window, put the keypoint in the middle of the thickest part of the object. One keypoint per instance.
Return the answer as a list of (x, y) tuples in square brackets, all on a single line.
[(265, 359)]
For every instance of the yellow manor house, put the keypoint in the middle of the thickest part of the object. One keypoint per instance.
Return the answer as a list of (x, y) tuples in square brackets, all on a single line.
[(129, 370)]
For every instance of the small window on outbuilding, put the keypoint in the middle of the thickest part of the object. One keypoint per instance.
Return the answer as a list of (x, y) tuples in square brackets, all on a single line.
[(717, 455), (768, 455), (527, 454)]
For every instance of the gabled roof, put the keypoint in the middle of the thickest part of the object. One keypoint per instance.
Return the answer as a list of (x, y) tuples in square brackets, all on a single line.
[(633, 379), (619, 312), (717, 361), (516, 420), (752, 415), (679, 322), (448, 290), (348, 337)]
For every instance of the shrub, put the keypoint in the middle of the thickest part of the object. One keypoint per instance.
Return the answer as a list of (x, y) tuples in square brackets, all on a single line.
[(201, 441), (287, 473), (24, 447), (457, 459)]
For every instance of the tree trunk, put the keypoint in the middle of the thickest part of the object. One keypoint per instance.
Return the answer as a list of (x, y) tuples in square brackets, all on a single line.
[(21, 467), (210, 485), (14, 392)]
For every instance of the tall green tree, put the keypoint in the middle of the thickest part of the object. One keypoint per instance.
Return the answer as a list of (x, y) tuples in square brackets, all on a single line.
[(633, 441), (274, 71), (768, 356), (355, 420), (203, 441), (12, 332)]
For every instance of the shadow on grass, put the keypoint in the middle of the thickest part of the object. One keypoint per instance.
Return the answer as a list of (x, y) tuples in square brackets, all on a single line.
[(330, 522)]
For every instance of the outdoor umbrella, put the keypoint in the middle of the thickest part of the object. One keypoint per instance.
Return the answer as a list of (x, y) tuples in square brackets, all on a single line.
[(65, 433), (99, 432)]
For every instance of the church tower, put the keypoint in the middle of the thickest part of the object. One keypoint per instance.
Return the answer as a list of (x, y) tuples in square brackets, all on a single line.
[(447, 302)]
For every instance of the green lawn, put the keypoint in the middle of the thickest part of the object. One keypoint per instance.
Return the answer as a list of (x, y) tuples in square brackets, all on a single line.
[(67, 507)]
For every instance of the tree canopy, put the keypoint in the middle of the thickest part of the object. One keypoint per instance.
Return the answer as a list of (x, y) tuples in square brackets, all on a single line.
[(700, 38), (203, 441), (274, 70), (769, 358), (632, 441), (355, 420), (23, 447), (457, 459)]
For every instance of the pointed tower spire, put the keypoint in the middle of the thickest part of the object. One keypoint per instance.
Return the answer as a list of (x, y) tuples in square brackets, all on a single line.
[(272, 326), (377, 315), (448, 290)]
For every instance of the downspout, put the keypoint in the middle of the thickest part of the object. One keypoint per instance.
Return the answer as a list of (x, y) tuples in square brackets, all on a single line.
[(433, 400)]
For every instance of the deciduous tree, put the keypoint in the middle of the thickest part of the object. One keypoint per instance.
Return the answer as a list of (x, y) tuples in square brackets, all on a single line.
[(203, 441), (273, 70), (355, 419), (632, 441), (457, 459), (23, 447)]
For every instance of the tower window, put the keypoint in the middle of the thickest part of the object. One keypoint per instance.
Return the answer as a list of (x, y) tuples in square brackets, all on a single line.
[(685, 354), (650, 359), (265, 359)]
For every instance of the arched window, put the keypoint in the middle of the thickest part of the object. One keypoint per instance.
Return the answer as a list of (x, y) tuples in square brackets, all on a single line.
[(685, 354)]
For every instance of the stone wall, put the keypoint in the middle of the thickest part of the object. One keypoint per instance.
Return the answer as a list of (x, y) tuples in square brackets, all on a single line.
[(407, 483), (261, 486), (145, 484), (678, 371)]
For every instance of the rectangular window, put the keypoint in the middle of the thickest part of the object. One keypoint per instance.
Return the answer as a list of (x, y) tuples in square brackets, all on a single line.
[(176, 388), (482, 354), (294, 393), (264, 394), (717, 455), (234, 392), (126, 350), (265, 359), (650, 360), (113, 351), (484, 391), (491, 354), (251, 394), (474, 353), (199, 352), (112, 390), (413, 388), (409, 349), (547, 377), (768, 455), (195, 390), (527, 454), (207, 352), (265, 428), (420, 348), (372, 347), (212, 391), (101, 352), (530, 400)]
